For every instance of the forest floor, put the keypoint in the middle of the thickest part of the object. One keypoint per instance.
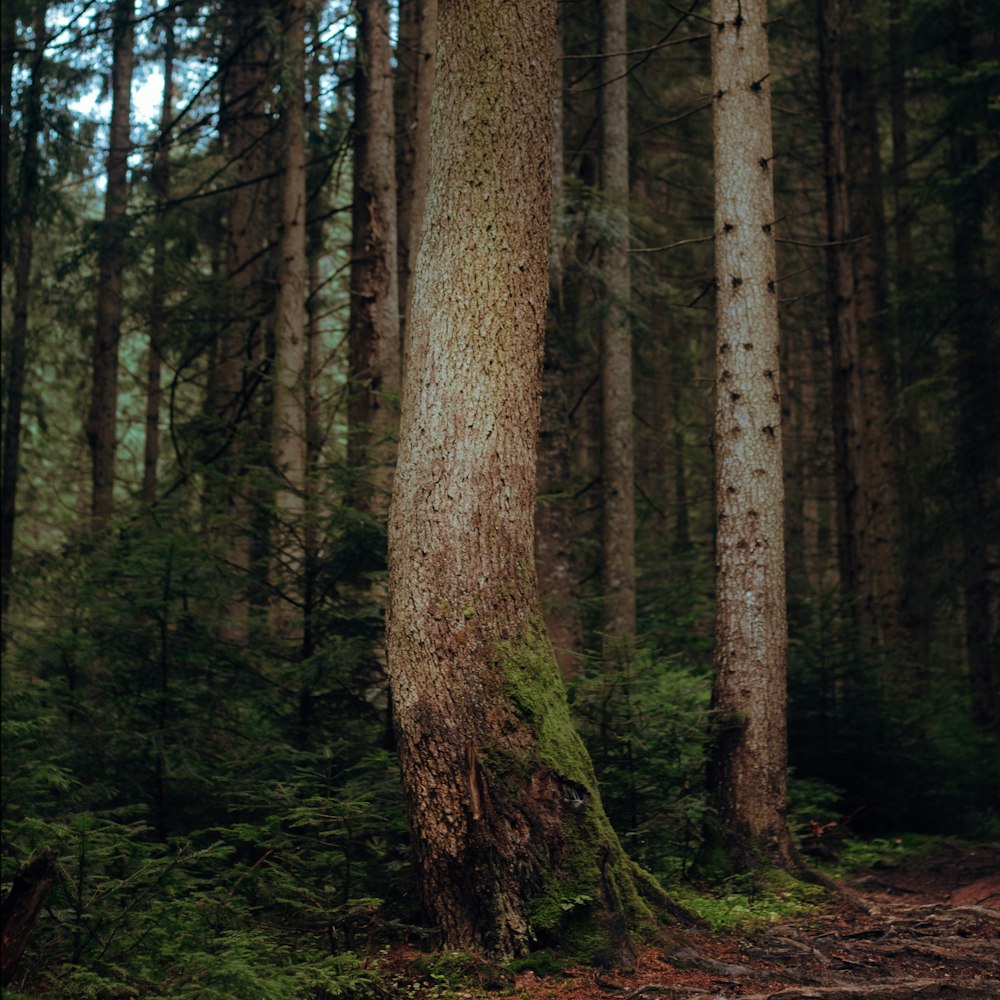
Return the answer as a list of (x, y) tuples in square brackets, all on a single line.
[(932, 930)]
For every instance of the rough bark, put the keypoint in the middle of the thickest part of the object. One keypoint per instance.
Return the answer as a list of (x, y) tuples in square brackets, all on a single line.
[(509, 833), (158, 282), (376, 361), (555, 539), (617, 432), (101, 420), (289, 374), (748, 764), (16, 360)]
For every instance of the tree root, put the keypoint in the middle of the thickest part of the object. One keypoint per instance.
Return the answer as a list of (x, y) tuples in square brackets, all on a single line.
[(899, 989)]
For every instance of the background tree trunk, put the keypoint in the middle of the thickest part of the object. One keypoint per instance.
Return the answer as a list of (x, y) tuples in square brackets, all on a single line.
[(376, 360), (555, 538), (508, 830), (8, 43), (16, 361), (289, 376), (101, 421), (415, 80), (880, 602), (158, 282), (232, 390), (316, 202), (617, 431), (978, 431), (867, 494), (747, 770)]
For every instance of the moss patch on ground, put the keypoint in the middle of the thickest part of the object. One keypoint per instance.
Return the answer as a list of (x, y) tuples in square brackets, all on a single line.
[(752, 900)]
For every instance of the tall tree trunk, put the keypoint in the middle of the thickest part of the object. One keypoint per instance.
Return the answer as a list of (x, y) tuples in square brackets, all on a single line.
[(244, 125), (508, 829), (881, 601), (289, 376), (376, 360), (17, 356), (415, 80), (978, 430), (842, 319), (748, 764), (316, 203), (8, 44), (867, 495), (158, 283), (101, 420), (911, 363), (617, 431), (555, 539)]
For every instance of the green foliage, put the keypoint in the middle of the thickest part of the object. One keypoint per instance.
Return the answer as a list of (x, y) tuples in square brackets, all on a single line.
[(454, 970), (895, 739), (886, 850), (646, 729), (215, 839)]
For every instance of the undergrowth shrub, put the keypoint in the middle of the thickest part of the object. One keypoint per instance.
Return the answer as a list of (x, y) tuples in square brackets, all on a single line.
[(646, 729), (227, 821), (897, 742)]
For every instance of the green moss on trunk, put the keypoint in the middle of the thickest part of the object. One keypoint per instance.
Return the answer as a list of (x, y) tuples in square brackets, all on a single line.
[(587, 901)]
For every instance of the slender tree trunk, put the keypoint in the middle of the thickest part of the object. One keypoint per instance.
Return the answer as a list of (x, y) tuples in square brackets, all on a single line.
[(289, 376), (555, 539), (315, 232), (910, 364), (902, 221), (748, 764), (867, 495), (880, 604), (101, 421), (617, 431), (978, 431), (374, 326), (415, 80), (233, 394), (16, 361), (8, 42), (158, 284), (509, 833), (847, 400)]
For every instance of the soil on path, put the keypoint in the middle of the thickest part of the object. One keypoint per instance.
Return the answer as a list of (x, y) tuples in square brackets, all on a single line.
[(933, 931)]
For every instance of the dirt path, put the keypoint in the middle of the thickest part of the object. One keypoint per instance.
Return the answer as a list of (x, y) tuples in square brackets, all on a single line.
[(935, 933)]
